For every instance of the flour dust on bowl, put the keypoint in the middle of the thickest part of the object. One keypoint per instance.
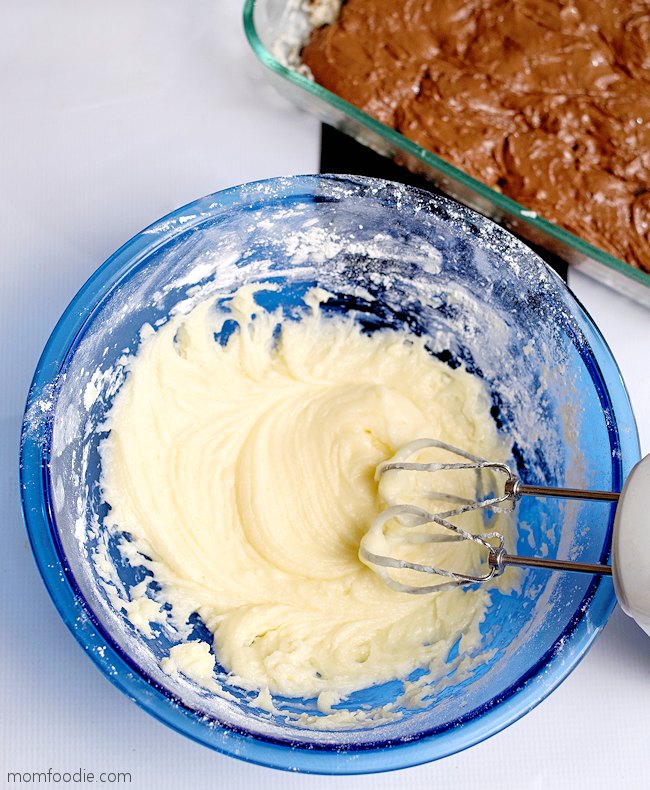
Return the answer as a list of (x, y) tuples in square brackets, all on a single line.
[(273, 288)]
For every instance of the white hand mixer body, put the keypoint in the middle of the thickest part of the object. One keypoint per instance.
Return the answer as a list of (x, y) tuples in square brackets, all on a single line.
[(631, 545), (630, 567)]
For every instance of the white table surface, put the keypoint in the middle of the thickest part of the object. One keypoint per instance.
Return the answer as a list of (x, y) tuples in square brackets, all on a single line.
[(111, 115)]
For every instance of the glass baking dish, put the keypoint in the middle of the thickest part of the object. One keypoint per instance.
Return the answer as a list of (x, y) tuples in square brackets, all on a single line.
[(274, 29)]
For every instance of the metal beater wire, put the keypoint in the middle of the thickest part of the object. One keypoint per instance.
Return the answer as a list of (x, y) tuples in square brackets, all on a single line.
[(498, 559)]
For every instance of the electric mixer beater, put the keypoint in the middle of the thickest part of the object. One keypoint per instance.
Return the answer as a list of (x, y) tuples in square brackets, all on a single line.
[(630, 550)]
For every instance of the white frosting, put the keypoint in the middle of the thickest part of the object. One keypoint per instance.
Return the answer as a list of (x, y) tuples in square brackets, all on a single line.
[(245, 471), (194, 660)]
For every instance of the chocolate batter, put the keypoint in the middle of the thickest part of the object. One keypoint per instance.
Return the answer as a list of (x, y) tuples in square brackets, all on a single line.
[(546, 101)]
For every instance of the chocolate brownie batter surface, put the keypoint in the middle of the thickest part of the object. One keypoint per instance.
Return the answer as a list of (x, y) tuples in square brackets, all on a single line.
[(546, 101)]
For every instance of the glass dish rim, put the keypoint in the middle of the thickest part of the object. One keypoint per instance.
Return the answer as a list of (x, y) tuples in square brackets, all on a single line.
[(133, 681), (422, 154)]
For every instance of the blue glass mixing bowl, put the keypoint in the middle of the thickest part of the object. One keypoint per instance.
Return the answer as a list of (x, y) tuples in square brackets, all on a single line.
[(393, 257)]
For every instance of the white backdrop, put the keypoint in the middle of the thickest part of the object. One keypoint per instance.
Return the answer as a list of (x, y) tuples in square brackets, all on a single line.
[(112, 114)]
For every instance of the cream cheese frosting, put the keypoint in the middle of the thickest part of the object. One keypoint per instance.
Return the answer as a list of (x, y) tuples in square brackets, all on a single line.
[(244, 468)]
